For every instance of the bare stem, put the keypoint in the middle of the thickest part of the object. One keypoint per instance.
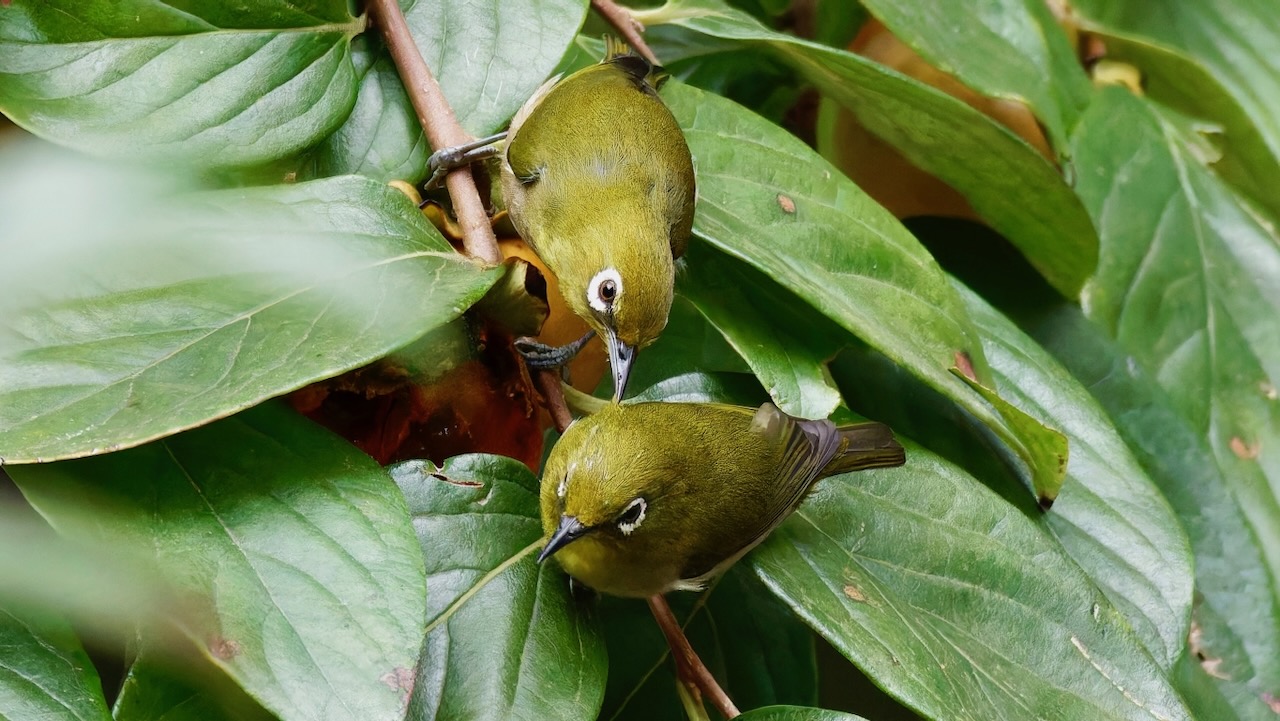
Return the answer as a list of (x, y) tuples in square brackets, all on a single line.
[(440, 126), (693, 673), (626, 25), (548, 383)]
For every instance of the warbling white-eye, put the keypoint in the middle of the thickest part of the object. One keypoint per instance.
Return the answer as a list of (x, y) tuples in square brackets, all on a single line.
[(598, 179), (640, 499)]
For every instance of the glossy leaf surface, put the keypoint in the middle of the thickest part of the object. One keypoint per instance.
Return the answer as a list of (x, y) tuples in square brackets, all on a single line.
[(140, 315), (45, 673), (206, 83), (983, 160), (815, 233), (505, 639), (295, 547)]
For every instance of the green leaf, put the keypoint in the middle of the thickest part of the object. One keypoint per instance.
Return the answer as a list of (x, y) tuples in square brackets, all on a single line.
[(786, 346), (994, 169), (688, 344), (136, 316), (298, 547), (955, 603), (1110, 517), (1011, 49), (154, 689), (504, 637), (489, 57), (381, 138), (756, 648), (1189, 285), (1186, 85), (103, 591), (1216, 698), (1048, 441), (45, 673), (797, 713), (1236, 615), (1235, 42), (210, 84), (819, 236)]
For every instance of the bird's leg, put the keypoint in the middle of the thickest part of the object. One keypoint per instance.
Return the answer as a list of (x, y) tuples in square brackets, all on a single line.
[(540, 356), (692, 672), (446, 159)]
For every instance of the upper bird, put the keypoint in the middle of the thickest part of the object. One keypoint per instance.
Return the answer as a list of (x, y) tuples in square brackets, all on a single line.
[(644, 498), (598, 179)]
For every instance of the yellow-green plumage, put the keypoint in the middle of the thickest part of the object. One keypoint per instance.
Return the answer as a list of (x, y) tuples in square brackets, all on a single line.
[(714, 481), (596, 174)]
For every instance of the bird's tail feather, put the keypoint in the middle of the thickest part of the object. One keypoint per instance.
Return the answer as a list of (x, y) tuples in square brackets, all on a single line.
[(865, 445)]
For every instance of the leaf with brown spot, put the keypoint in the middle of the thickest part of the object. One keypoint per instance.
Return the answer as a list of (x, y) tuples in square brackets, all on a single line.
[(964, 364), (223, 649), (1245, 451)]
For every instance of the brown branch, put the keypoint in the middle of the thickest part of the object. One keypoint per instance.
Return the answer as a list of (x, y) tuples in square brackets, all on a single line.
[(692, 672), (548, 383), (440, 126), (626, 25)]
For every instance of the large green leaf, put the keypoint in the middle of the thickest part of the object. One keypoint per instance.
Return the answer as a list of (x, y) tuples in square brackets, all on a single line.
[(297, 547), (381, 138), (1237, 42), (1185, 84), (756, 648), (689, 344), (488, 57), (1110, 517), (1237, 612), (1189, 284), (208, 83), (155, 690), (955, 603), (1211, 697), (136, 316), (797, 713), (1010, 49), (45, 674), (104, 591), (994, 169), (505, 639), (819, 236), (785, 345)]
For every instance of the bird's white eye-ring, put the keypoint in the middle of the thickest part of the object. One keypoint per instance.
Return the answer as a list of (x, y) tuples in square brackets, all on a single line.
[(632, 516), (604, 289)]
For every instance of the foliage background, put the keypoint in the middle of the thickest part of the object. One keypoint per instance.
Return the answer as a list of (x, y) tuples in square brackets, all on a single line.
[(1038, 240)]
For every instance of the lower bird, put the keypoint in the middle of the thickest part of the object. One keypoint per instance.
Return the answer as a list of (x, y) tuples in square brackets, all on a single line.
[(645, 498)]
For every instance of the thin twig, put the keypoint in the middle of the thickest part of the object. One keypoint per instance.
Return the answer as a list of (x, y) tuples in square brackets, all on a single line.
[(689, 667), (440, 126), (626, 25), (548, 383)]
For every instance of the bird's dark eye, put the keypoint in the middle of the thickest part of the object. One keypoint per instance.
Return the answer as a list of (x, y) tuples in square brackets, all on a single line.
[(631, 516), (608, 291)]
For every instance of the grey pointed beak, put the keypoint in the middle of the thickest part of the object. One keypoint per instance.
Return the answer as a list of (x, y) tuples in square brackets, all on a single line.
[(569, 530), (621, 356)]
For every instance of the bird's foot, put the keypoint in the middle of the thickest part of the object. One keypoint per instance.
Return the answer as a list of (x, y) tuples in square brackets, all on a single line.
[(445, 160), (540, 356)]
